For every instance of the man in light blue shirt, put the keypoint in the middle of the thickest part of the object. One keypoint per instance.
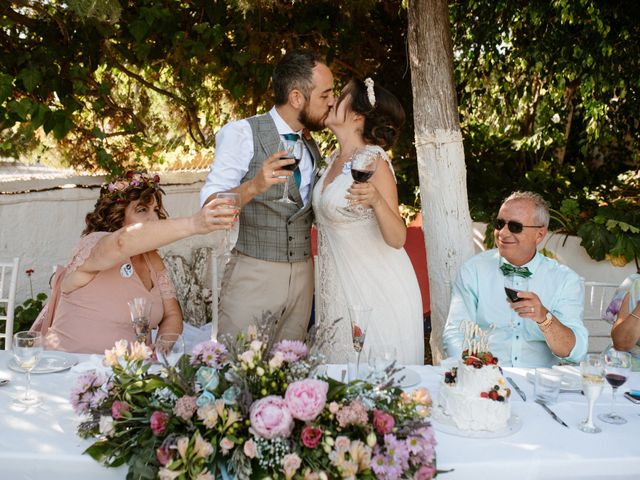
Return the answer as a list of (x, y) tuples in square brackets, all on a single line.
[(542, 323)]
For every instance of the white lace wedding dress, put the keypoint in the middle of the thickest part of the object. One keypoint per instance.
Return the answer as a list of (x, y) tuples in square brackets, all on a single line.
[(356, 266)]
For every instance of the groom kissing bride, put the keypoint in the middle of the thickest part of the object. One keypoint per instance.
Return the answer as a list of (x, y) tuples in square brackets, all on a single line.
[(361, 233)]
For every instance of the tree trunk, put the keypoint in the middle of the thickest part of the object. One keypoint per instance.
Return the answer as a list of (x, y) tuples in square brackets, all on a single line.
[(443, 182)]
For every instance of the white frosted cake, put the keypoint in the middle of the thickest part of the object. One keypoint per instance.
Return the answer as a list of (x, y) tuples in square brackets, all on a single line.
[(473, 395)]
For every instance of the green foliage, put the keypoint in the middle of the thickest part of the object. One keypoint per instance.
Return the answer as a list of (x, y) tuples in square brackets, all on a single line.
[(24, 315)]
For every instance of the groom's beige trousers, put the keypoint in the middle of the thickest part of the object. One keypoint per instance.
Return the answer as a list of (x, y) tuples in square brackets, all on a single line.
[(253, 287)]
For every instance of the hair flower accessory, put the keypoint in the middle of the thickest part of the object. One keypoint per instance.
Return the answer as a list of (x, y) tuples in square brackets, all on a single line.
[(131, 179), (371, 95)]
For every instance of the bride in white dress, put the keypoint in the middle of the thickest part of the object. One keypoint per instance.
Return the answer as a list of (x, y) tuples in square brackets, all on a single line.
[(361, 256)]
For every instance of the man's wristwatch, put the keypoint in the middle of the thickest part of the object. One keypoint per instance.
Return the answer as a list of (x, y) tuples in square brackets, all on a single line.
[(548, 318)]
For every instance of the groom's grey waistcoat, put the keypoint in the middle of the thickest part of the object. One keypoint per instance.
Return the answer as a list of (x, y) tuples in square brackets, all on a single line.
[(271, 230)]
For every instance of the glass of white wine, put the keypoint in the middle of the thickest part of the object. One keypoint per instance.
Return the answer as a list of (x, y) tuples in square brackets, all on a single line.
[(27, 347), (592, 371), (170, 347)]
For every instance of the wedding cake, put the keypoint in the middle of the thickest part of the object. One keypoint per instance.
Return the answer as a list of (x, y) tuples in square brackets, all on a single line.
[(473, 395)]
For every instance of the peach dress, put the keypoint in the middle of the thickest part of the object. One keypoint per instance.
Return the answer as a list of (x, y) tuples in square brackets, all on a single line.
[(93, 317)]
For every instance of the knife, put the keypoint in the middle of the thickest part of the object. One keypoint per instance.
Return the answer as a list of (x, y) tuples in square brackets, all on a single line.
[(517, 388), (552, 413)]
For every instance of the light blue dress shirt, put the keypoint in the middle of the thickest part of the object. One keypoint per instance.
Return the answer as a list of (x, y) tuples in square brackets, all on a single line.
[(478, 296)]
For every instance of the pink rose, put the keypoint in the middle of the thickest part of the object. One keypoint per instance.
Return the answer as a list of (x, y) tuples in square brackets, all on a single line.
[(249, 449), (310, 436), (270, 417), (306, 398), (158, 422), (163, 455), (118, 409), (425, 472), (383, 422)]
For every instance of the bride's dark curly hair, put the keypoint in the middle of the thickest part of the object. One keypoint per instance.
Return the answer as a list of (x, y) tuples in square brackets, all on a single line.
[(108, 213), (383, 121)]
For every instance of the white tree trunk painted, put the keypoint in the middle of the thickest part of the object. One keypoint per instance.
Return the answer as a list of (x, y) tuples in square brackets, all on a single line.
[(440, 153)]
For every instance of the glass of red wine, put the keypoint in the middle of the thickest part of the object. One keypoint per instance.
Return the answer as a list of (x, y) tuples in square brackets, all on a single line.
[(617, 367), (363, 166), (294, 148)]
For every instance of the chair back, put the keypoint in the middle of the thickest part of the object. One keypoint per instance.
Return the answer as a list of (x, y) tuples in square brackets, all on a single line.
[(597, 296), (8, 284)]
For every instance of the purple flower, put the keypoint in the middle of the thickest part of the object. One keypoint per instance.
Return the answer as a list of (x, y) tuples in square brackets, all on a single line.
[(291, 350), (385, 467), (397, 449), (158, 422), (209, 353), (87, 393)]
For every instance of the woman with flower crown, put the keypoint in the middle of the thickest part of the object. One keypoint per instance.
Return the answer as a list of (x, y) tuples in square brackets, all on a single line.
[(361, 233), (115, 261)]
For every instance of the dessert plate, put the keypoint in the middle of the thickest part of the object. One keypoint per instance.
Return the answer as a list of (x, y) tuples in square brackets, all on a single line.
[(49, 362), (445, 424), (571, 379)]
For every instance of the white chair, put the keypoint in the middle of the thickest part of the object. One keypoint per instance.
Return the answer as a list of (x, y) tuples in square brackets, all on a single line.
[(597, 296), (8, 283)]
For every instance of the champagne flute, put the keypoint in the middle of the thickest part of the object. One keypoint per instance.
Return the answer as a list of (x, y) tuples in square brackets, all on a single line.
[(170, 347), (617, 367), (140, 309), (359, 320), (27, 347), (294, 147), (232, 202), (592, 371)]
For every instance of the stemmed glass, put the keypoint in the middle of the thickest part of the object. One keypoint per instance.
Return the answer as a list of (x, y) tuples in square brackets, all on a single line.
[(359, 319), (512, 285), (232, 202), (140, 309), (27, 347), (380, 358), (617, 366), (170, 347), (363, 166), (294, 147), (592, 371)]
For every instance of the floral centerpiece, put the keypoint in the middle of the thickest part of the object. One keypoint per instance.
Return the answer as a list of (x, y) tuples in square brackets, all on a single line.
[(248, 409)]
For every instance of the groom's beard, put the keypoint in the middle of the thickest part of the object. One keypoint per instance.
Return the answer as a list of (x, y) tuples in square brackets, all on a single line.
[(313, 124)]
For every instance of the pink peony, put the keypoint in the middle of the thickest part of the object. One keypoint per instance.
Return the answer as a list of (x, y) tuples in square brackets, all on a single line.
[(270, 417), (383, 422), (118, 409), (310, 436), (425, 472), (163, 455), (158, 422), (306, 398)]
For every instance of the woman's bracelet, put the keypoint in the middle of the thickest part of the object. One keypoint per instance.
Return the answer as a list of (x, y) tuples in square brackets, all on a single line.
[(634, 315)]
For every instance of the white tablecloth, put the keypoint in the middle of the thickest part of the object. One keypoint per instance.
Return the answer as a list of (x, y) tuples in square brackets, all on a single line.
[(40, 443)]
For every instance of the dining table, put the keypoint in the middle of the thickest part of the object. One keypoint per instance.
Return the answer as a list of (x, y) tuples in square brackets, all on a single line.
[(40, 442)]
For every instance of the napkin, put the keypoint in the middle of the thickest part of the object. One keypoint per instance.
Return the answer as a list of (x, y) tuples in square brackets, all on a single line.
[(94, 362)]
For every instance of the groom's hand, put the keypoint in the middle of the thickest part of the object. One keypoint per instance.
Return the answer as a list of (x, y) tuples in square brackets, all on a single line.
[(272, 172)]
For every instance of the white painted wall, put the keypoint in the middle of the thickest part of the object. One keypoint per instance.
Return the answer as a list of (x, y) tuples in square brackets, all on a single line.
[(42, 227)]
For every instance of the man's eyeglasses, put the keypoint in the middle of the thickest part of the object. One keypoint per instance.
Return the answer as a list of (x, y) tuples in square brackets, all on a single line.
[(514, 227)]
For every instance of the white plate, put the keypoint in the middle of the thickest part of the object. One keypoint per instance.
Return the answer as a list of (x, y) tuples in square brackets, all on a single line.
[(49, 362), (571, 381), (407, 378), (445, 424)]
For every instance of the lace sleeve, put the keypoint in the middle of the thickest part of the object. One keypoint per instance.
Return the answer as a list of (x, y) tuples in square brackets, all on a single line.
[(83, 250), (376, 150), (165, 284)]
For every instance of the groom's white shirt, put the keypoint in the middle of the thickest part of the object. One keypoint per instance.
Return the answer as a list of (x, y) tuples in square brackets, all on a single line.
[(233, 154)]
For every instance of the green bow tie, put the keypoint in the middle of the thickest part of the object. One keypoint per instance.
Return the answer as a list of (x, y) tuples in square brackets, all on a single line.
[(508, 269)]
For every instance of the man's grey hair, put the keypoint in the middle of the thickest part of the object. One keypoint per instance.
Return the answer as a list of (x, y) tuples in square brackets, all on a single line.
[(541, 207)]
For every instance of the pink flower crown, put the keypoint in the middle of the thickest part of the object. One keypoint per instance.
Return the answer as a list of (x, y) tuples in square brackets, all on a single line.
[(117, 188)]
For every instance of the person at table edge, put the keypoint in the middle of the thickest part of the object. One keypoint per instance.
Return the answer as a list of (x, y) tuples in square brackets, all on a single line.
[(545, 326)]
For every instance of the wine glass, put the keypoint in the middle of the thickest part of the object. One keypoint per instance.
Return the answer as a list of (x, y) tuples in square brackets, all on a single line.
[(512, 285), (592, 371), (363, 166), (380, 358), (232, 202), (294, 147), (617, 367), (170, 347), (27, 347), (359, 320), (140, 309)]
